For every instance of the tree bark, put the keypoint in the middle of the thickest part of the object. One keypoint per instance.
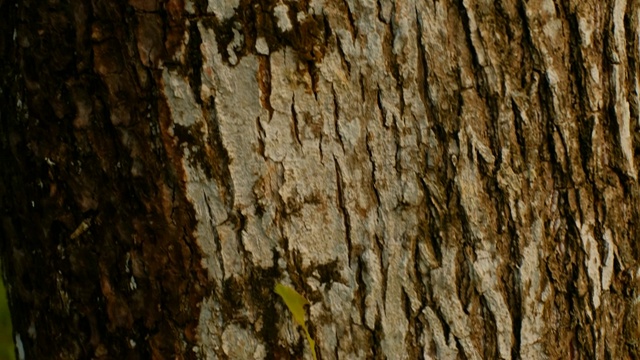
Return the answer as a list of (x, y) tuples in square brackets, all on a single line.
[(440, 179)]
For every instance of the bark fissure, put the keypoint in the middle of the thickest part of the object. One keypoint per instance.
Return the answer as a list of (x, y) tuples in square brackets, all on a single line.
[(345, 212), (295, 126), (336, 117), (264, 81), (194, 61), (221, 171), (372, 169), (343, 57)]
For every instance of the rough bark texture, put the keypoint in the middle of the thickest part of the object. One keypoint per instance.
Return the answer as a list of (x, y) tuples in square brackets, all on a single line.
[(441, 179)]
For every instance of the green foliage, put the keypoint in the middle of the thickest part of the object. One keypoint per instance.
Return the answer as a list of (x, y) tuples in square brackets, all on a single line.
[(6, 339), (296, 303)]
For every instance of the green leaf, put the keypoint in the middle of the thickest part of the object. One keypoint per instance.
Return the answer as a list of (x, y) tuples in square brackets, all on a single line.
[(296, 302)]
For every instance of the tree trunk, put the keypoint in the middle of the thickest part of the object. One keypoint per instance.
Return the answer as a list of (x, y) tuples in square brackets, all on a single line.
[(440, 179)]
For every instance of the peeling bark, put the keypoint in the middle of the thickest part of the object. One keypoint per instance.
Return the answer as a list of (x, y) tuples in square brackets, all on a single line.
[(449, 180)]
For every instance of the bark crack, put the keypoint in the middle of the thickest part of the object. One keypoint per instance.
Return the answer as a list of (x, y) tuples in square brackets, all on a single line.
[(373, 169), (345, 212), (360, 293), (422, 80), (194, 61), (221, 166), (519, 130), (474, 38), (264, 83), (261, 137), (295, 126), (343, 56), (336, 117), (352, 23), (314, 73), (361, 81)]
